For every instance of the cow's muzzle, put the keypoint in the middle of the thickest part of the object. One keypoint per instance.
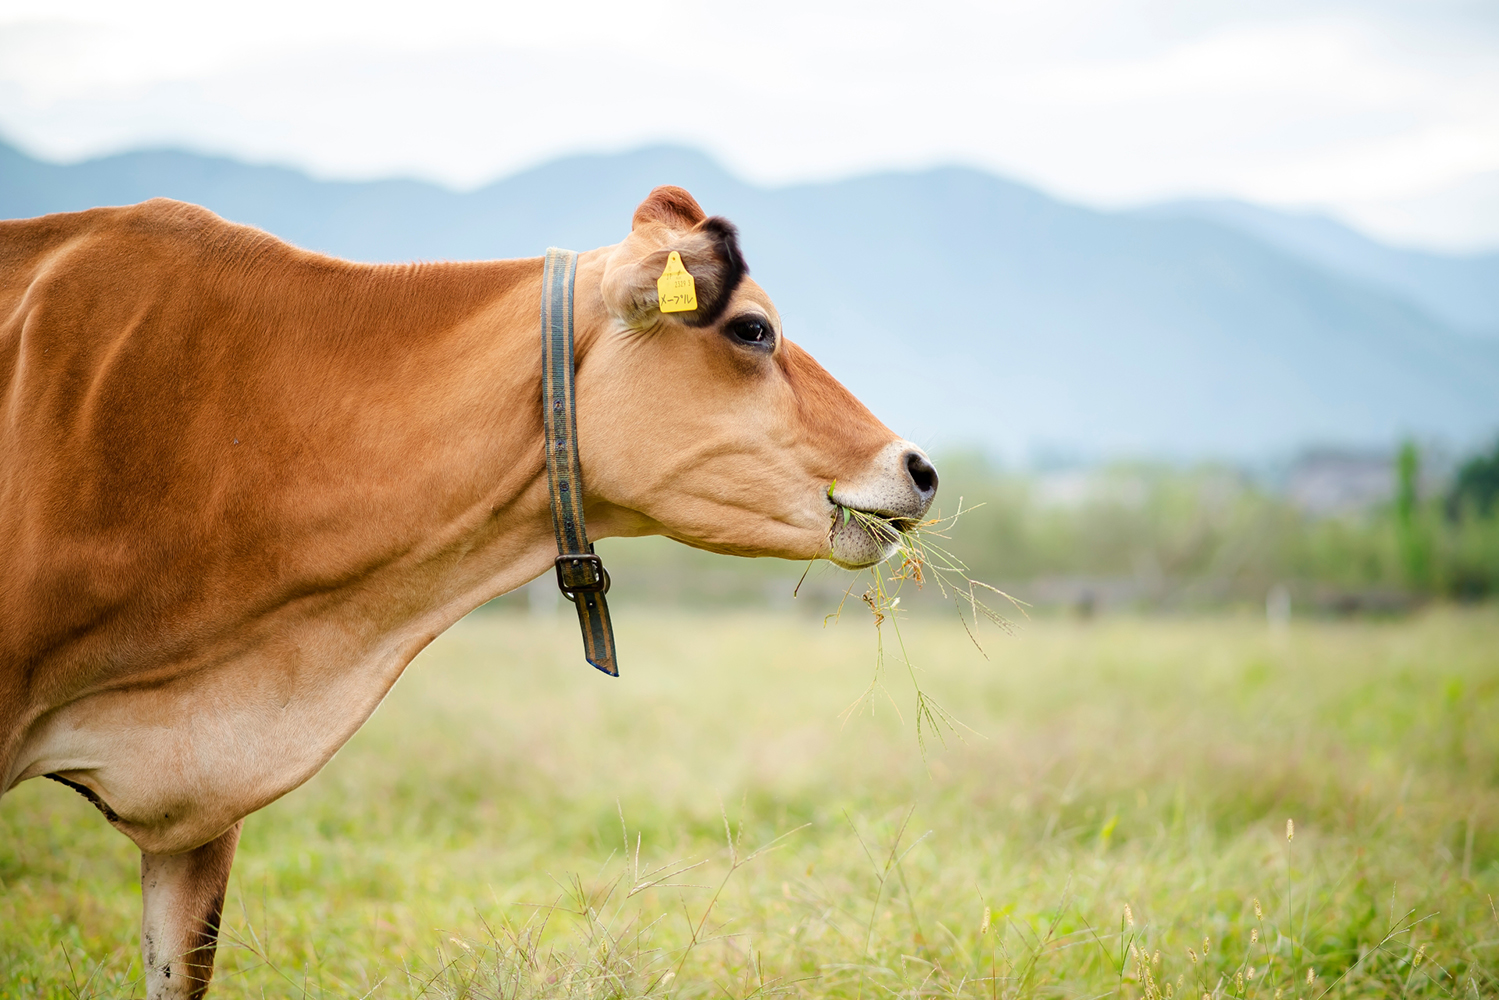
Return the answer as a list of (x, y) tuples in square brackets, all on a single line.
[(869, 514)]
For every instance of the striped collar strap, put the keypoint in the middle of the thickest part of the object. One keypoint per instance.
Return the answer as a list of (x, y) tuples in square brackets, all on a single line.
[(580, 574)]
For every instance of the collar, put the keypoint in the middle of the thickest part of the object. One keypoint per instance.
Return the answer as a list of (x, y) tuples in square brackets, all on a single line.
[(580, 574)]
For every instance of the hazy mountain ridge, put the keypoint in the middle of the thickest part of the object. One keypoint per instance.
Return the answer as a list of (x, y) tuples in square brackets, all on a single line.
[(1461, 291), (962, 307)]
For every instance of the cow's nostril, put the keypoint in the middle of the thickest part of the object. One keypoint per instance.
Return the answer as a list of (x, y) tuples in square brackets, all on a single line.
[(923, 475)]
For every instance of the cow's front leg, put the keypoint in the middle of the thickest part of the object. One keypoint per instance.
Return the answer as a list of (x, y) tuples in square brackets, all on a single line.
[(183, 896)]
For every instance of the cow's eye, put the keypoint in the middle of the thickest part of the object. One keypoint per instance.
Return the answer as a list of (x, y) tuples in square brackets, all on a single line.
[(752, 331)]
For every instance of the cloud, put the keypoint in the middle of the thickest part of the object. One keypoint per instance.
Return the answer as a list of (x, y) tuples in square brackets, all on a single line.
[(1327, 104)]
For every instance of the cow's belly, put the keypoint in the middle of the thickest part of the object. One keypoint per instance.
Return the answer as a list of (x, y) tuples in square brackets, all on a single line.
[(176, 764)]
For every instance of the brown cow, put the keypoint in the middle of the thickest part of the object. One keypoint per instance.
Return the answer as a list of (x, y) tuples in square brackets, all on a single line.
[(242, 485)]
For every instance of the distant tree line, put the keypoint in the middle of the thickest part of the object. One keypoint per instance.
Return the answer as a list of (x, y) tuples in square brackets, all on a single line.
[(1475, 490), (1166, 536)]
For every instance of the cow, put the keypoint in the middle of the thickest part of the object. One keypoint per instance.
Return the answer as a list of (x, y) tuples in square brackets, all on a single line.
[(243, 484)]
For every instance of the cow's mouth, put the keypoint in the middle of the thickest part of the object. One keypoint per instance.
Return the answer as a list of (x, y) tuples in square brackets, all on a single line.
[(858, 539), (869, 518)]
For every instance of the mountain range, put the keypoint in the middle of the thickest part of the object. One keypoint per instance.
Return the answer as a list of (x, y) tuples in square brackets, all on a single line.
[(966, 309)]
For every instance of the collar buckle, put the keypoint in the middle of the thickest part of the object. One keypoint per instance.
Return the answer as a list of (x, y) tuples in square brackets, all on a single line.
[(581, 574)]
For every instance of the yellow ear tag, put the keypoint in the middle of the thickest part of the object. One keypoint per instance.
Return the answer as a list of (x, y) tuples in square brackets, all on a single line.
[(675, 289)]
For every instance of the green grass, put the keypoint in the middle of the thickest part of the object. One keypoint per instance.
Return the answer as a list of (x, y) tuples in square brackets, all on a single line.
[(494, 830)]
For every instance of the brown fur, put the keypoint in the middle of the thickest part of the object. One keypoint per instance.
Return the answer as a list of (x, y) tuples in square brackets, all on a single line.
[(670, 206), (242, 485)]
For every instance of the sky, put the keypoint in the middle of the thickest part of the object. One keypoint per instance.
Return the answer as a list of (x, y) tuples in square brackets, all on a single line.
[(1383, 113)]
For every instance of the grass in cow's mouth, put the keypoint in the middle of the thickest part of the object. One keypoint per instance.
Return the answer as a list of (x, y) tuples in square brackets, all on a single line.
[(920, 557)]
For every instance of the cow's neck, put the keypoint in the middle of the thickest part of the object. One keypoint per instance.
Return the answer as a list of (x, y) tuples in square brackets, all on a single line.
[(390, 457), (468, 497)]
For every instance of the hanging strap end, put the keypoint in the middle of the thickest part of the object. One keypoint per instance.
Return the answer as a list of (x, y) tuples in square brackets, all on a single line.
[(598, 632), (605, 664), (583, 580)]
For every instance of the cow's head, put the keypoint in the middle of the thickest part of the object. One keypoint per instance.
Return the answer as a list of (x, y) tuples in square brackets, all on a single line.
[(711, 427)]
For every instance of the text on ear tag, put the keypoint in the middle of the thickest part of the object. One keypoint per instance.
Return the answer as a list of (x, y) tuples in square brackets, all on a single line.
[(675, 289)]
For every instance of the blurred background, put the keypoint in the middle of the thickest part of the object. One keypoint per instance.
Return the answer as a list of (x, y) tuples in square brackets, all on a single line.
[(1200, 301), (1195, 305)]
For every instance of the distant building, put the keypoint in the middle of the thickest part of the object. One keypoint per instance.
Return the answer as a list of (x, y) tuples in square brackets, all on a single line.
[(1328, 481)]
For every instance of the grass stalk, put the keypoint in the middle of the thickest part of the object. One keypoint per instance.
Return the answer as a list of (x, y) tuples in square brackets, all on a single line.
[(919, 555)]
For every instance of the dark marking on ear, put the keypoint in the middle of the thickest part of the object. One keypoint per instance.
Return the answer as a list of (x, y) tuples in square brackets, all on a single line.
[(727, 271), (671, 206), (89, 794)]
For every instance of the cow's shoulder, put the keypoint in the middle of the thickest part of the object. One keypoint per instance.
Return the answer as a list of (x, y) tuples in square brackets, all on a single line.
[(167, 230), (161, 235), (161, 216), (169, 219)]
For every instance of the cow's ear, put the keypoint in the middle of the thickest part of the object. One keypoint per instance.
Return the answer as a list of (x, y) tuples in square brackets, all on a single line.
[(670, 206), (668, 220)]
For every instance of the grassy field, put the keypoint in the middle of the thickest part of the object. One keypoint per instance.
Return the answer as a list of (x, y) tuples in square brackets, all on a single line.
[(512, 823)]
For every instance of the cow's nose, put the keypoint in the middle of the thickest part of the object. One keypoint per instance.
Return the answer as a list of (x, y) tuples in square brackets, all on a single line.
[(923, 476)]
